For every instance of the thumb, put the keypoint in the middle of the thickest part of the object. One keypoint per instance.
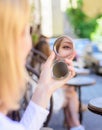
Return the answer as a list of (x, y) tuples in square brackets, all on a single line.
[(73, 55), (50, 58)]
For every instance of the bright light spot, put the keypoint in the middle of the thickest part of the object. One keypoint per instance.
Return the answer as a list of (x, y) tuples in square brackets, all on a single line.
[(46, 15), (64, 5)]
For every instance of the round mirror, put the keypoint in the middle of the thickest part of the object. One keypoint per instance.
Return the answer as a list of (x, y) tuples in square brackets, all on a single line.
[(63, 47)]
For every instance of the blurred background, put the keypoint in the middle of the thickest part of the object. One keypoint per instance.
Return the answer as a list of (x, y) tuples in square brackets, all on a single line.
[(82, 21)]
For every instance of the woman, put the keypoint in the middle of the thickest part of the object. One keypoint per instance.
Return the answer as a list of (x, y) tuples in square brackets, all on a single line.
[(15, 44)]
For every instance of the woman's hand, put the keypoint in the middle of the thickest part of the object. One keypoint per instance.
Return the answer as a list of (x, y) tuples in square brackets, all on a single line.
[(46, 74), (47, 85)]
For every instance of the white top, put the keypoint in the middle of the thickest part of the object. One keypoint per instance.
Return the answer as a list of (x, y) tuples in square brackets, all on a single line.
[(33, 119)]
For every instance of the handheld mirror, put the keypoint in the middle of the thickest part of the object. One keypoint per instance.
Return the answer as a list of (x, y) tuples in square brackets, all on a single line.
[(64, 49)]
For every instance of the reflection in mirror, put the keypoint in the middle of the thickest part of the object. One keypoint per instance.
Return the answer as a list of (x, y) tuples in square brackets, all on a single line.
[(63, 47)]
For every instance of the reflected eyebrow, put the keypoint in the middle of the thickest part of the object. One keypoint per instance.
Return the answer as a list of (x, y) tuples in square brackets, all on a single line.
[(68, 42)]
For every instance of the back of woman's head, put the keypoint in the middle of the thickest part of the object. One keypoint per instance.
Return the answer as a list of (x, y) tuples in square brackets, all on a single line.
[(13, 18)]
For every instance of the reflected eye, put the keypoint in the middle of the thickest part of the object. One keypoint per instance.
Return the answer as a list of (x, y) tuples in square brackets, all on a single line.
[(66, 47)]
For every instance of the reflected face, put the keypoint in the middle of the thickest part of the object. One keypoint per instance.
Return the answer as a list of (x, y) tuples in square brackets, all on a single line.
[(64, 47)]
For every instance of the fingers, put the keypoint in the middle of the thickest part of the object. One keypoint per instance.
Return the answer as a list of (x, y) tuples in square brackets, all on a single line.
[(70, 68), (73, 55), (70, 75), (50, 59), (72, 71), (69, 62)]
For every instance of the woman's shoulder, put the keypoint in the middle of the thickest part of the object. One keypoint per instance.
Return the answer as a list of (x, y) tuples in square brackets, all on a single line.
[(8, 124)]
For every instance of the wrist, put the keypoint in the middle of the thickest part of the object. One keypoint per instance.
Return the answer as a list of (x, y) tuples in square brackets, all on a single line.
[(47, 87), (42, 95)]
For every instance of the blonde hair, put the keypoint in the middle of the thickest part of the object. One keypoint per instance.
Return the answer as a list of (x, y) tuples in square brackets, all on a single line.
[(14, 16)]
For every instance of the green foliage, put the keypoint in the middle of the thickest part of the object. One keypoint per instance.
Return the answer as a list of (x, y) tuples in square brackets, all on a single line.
[(35, 38), (82, 24), (97, 35)]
